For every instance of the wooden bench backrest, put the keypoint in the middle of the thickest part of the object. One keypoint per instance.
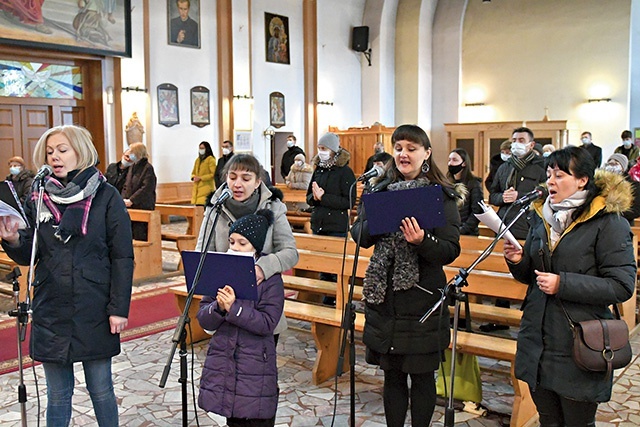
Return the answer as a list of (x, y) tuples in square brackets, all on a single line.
[(174, 192), (152, 218), (193, 214), (335, 245)]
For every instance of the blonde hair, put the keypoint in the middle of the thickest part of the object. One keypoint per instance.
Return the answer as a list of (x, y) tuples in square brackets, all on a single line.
[(139, 149), (80, 140)]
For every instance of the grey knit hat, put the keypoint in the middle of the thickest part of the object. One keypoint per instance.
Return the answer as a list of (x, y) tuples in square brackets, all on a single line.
[(331, 141), (254, 227), (620, 158)]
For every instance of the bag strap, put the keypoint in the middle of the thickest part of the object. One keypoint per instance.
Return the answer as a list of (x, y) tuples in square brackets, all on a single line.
[(607, 352)]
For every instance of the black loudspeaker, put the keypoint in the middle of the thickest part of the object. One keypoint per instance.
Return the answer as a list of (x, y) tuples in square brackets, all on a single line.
[(360, 39)]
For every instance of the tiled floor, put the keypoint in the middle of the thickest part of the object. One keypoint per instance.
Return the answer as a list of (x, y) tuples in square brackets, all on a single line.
[(138, 369)]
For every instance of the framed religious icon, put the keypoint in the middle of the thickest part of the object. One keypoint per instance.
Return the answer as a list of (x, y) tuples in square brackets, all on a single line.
[(65, 25), (168, 114), (200, 106), (183, 18), (276, 31), (276, 109)]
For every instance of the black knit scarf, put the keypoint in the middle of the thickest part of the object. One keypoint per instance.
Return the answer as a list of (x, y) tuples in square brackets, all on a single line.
[(68, 205), (518, 164), (392, 252)]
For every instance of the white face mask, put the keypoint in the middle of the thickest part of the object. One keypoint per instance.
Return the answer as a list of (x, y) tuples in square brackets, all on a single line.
[(586, 141), (133, 158), (125, 164), (226, 151), (232, 252), (324, 155), (201, 151), (546, 154), (299, 163), (15, 170), (518, 149), (613, 168), (626, 143), (504, 156), (290, 143)]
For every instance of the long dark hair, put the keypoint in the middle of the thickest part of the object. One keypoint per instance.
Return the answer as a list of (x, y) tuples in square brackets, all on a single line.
[(576, 161), (466, 170), (415, 134), (207, 150)]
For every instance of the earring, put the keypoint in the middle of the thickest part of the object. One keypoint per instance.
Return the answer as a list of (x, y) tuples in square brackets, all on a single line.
[(425, 167)]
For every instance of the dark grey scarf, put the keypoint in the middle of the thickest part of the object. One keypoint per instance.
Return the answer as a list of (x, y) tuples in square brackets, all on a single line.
[(392, 252), (518, 164), (246, 207)]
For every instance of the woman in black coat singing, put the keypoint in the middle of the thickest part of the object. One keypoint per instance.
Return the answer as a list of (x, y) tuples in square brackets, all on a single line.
[(404, 279), (83, 273), (579, 257)]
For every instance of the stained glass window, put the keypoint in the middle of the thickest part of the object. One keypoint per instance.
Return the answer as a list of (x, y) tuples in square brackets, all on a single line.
[(36, 80)]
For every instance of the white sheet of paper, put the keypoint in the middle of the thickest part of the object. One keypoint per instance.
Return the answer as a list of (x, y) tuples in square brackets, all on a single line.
[(491, 219)]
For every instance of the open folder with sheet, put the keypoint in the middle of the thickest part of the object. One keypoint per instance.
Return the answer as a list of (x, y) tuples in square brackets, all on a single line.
[(219, 270), (386, 210)]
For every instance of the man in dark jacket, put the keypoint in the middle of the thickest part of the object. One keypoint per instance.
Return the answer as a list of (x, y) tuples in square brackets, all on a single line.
[(594, 150), (519, 175), (227, 153), (289, 156)]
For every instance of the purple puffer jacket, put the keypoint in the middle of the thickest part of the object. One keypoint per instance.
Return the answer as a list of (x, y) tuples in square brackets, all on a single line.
[(240, 376)]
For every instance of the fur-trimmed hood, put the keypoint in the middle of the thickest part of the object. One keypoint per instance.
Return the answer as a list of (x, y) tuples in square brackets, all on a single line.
[(342, 159), (462, 192), (616, 195)]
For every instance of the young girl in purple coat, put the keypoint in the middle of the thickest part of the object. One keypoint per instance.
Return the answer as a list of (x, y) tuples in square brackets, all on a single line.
[(240, 376)]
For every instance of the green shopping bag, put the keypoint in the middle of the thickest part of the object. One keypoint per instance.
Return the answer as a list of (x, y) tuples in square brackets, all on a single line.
[(468, 382)]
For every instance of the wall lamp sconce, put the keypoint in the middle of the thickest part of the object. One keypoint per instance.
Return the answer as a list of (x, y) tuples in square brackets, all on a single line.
[(109, 92), (135, 89), (270, 131), (599, 100), (474, 104), (242, 97), (325, 103)]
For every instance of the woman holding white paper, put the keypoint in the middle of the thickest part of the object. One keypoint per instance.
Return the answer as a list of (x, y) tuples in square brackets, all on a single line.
[(404, 279), (579, 257)]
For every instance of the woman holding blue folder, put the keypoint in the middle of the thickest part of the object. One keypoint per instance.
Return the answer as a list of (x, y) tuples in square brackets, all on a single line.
[(404, 279)]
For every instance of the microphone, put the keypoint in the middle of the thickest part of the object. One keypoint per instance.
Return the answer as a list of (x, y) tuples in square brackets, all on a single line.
[(44, 171), (222, 198), (374, 171), (538, 193)]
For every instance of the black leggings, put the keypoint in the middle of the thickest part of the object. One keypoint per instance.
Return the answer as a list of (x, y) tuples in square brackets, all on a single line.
[(558, 411), (396, 398)]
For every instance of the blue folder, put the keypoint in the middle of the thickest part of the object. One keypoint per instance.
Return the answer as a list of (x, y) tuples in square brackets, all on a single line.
[(386, 210), (219, 270)]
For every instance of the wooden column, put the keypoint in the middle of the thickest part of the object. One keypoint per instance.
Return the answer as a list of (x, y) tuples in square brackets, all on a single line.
[(310, 66), (225, 70)]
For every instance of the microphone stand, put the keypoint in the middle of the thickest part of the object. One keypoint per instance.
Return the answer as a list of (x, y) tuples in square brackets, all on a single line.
[(23, 309), (180, 333), (453, 289)]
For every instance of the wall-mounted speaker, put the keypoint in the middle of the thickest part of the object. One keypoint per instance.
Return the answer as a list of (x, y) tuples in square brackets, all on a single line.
[(360, 39)]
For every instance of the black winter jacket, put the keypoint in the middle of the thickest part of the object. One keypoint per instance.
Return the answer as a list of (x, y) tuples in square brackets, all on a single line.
[(527, 180), (331, 214), (595, 259), (288, 159), (471, 206), (22, 184), (393, 327), (78, 285)]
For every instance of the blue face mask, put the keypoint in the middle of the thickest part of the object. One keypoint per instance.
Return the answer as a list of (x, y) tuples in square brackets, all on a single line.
[(15, 170), (133, 158), (546, 154), (626, 143)]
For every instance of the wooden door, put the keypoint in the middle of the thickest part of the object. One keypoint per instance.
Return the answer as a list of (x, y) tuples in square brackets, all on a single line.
[(35, 120), (10, 140)]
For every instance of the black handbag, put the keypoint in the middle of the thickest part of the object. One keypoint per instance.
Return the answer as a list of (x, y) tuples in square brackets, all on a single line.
[(600, 345)]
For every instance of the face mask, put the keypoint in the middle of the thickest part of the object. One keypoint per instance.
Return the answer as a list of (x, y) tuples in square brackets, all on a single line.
[(586, 141), (15, 170), (290, 144), (299, 163), (454, 169), (518, 149), (201, 152), (232, 252), (379, 150), (614, 168), (504, 156), (226, 151), (125, 163), (324, 155), (626, 143), (546, 154), (133, 158)]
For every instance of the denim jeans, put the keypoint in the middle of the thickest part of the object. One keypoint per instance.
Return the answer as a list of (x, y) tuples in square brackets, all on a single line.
[(60, 382)]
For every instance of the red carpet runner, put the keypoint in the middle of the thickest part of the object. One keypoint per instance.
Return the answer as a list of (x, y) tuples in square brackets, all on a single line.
[(151, 312)]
